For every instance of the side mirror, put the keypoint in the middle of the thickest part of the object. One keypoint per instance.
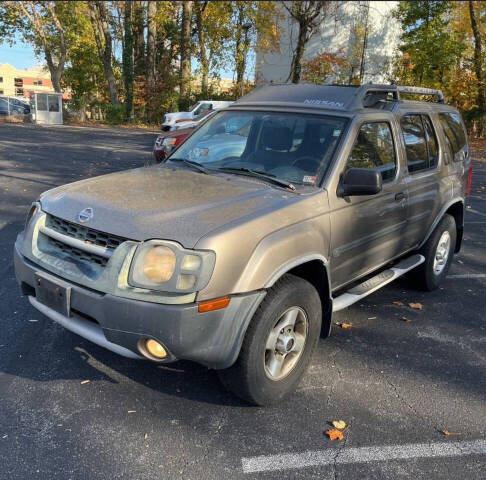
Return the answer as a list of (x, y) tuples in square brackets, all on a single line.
[(360, 181)]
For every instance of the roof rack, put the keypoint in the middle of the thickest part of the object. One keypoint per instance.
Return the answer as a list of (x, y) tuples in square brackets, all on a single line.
[(370, 94)]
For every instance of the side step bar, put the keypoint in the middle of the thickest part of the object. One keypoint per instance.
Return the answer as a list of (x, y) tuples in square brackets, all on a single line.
[(374, 283)]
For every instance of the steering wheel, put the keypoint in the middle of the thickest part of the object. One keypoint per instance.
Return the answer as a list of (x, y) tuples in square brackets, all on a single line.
[(307, 158)]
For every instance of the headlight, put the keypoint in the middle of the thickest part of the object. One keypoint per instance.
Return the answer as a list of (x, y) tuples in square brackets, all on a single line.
[(33, 210), (166, 266)]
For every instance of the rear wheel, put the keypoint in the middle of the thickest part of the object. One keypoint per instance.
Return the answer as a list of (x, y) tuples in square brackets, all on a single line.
[(278, 344), (438, 252)]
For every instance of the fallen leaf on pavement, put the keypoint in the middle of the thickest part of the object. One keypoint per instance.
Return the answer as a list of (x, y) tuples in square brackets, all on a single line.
[(339, 424), (84, 381), (417, 306), (447, 433), (334, 434), (405, 319), (345, 325), (397, 302)]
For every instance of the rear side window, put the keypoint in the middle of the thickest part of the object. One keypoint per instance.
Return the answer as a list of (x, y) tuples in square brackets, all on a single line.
[(420, 142), (454, 130), (374, 149)]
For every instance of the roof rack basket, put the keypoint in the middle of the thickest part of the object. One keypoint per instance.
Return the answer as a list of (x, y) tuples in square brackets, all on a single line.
[(370, 94)]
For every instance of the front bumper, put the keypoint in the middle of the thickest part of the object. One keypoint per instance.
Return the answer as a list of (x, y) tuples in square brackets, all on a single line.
[(212, 338)]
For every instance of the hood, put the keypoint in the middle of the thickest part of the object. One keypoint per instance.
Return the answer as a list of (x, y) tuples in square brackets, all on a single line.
[(171, 117), (170, 203)]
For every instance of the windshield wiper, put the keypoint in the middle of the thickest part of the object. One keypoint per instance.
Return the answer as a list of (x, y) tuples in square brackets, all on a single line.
[(190, 163), (258, 174)]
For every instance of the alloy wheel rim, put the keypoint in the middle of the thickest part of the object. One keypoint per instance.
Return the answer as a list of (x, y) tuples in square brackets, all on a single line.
[(285, 343), (442, 253)]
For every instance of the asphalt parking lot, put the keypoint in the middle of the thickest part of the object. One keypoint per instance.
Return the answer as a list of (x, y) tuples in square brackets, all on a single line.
[(397, 384)]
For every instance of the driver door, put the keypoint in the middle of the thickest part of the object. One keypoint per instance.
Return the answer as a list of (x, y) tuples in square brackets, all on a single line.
[(367, 231)]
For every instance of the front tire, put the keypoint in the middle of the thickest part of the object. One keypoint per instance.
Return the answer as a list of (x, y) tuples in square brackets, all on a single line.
[(438, 251), (278, 344)]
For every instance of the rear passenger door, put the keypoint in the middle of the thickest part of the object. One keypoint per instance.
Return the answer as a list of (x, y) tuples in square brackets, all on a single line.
[(367, 231), (425, 181)]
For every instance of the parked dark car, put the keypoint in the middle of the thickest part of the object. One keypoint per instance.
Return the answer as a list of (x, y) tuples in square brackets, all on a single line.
[(16, 106)]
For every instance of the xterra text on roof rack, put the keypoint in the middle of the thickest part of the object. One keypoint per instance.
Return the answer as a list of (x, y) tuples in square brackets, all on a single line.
[(294, 202)]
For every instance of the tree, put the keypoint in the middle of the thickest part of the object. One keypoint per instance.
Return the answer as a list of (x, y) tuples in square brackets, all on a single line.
[(99, 22), (326, 64), (308, 15), (185, 48), (429, 43), (41, 24), (478, 61), (254, 25)]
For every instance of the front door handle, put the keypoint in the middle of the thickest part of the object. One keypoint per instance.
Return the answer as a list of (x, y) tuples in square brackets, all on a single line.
[(400, 196)]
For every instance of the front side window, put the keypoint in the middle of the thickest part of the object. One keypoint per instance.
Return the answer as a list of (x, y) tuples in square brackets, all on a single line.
[(296, 148), (374, 149)]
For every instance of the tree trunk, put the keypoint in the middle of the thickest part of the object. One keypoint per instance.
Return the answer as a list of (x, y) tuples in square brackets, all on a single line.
[(139, 41), (128, 60), (296, 66), (365, 44), (151, 34), (239, 48), (478, 68), (99, 21), (203, 58), (185, 66)]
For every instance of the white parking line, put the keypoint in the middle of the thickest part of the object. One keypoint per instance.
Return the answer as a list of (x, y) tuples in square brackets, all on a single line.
[(468, 275), (476, 212), (336, 456)]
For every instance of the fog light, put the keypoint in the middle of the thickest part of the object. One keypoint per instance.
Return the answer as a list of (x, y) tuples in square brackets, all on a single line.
[(154, 348)]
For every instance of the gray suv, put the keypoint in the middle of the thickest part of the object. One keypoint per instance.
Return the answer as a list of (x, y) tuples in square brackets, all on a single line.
[(237, 257)]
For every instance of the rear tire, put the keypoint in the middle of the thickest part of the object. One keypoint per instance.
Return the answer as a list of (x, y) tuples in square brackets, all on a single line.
[(274, 354), (438, 251)]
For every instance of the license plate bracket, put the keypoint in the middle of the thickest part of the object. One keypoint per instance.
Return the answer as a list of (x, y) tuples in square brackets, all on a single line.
[(53, 293)]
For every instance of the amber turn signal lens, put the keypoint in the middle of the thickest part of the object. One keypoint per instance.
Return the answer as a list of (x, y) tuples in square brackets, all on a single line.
[(155, 348), (214, 304)]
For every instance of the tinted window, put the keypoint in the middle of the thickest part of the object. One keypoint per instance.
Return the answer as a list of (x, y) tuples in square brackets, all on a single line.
[(431, 142), (453, 130), (415, 143), (374, 149)]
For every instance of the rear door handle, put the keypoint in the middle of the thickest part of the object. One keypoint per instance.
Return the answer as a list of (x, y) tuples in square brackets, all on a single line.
[(400, 196)]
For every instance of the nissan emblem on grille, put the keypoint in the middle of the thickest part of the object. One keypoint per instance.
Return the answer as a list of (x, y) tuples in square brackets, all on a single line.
[(85, 214)]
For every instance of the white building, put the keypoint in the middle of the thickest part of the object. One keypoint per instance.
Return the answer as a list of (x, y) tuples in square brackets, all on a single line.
[(338, 35)]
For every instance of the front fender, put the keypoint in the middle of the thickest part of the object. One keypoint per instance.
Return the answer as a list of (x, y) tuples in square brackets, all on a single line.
[(284, 250)]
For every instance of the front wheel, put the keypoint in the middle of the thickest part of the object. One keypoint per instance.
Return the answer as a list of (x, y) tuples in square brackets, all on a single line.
[(438, 251), (278, 344)]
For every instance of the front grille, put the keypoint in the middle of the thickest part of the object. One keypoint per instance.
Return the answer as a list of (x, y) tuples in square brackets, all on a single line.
[(85, 234), (66, 251), (90, 263)]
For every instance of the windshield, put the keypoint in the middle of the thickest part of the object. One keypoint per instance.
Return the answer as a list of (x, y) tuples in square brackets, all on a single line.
[(296, 148)]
